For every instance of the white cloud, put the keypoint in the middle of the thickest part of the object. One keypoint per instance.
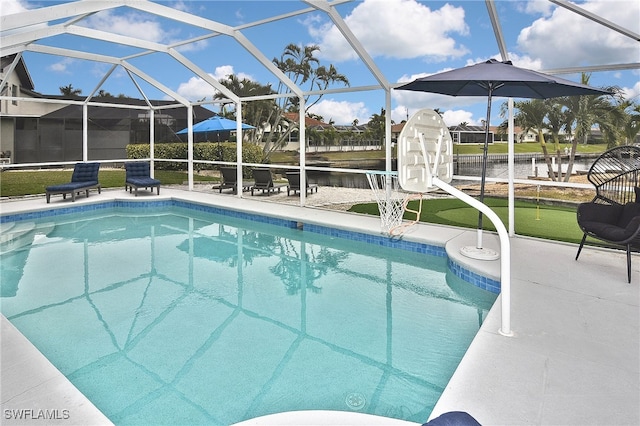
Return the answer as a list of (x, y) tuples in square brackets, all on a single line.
[(566, 39), (451, 117), (455, 117), (131, 24), (535, 7), (632, 93), (341, 112), (403, 29), (196, 88), (9, 7), (180, 5), (194, 47), (517, 60), (61, 67)]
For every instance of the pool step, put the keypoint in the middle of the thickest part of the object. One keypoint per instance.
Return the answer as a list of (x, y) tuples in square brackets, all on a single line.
[(17, 235)]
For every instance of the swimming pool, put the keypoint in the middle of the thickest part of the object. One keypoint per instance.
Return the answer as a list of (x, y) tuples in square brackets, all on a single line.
[(188, 316)]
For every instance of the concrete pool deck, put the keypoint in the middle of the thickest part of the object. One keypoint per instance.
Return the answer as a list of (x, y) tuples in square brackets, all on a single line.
[(574, 358)]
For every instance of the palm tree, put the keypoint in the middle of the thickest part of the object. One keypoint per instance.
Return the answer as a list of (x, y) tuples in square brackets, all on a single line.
[(632, 125), (69, 90), (531, 115), (254, 113), (302, 67), (376, 125), (583, 112), (555, 123)]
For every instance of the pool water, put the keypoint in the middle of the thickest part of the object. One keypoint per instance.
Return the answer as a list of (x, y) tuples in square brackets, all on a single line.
[(185, 317)]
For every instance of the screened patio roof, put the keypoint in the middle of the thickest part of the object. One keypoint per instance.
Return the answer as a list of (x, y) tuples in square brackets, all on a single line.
[(37, 30)]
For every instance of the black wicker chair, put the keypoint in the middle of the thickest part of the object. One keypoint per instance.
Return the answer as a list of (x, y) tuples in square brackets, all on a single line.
[(613, 215)]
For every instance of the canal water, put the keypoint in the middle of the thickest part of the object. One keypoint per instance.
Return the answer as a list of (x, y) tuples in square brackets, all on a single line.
[(522, 170)]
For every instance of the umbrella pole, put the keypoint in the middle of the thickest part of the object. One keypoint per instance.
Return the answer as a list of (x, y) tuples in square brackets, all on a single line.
[(478, 251), (485, 153)]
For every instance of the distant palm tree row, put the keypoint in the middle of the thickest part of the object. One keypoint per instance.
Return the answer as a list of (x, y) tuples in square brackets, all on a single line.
[(575, 116)]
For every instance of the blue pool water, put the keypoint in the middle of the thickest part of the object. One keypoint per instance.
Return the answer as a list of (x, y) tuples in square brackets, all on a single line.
[(189, 317)]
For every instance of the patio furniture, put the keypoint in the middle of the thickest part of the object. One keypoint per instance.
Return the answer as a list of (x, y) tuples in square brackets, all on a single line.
[(294, 183), (230, 180), (139, 176), (84, 178), (264, 182), (613, 215)]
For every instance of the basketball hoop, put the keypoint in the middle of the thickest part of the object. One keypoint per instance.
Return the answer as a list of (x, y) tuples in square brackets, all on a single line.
[(392, 201)]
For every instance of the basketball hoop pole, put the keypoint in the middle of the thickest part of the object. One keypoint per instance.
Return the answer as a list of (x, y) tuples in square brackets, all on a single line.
[(425, 162), (505, 248)]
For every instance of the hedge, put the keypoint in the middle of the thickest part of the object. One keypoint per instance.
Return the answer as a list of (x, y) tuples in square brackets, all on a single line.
[(208, 151)]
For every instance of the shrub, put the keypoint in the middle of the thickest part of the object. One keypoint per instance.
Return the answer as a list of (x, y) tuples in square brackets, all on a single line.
[(208, 151)]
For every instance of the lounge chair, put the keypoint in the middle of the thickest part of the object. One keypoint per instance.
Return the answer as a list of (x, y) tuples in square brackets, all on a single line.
[(264, 182), (230, 180), (84, 178), (613, 215), (294, 183), (139, 176)]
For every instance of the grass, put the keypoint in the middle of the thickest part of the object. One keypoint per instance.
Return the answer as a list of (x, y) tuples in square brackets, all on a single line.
[(541, 221), (18, 183), (527, 148)]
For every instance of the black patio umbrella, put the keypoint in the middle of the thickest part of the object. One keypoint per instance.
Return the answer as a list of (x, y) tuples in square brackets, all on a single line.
[(495, 78)]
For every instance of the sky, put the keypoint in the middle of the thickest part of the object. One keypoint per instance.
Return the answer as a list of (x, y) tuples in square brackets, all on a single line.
[(407, 39)]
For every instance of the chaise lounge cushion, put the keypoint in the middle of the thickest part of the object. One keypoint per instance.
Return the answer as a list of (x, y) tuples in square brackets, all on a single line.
[(68, 187), (143, 181), (139, 176), (614, 223), (84, 177)]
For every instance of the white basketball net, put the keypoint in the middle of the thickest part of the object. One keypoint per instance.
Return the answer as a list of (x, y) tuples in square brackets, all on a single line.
[(391, 200)]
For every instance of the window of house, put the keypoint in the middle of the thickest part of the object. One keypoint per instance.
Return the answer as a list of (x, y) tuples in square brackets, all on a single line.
[(14, 92)]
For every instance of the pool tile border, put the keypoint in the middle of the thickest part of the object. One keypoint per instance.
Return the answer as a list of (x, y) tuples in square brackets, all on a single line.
[(379, 240)]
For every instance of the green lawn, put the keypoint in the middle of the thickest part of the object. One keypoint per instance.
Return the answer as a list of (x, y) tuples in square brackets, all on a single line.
[(16, 183), (526, 148), (548, 222)]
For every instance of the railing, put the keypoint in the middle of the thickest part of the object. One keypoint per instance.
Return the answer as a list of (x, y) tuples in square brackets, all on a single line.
[(476, 159)]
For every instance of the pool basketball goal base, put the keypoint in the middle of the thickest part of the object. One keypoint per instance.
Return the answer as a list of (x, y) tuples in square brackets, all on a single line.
[(425, 163)]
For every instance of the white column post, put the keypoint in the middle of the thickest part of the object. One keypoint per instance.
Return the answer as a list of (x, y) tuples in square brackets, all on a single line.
[(85, 132), (152, 138), (510, 160), (190, 146), (239, 159), (303, 153)]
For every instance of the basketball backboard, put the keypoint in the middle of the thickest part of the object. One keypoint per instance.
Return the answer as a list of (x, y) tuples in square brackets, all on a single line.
[(425, 151)]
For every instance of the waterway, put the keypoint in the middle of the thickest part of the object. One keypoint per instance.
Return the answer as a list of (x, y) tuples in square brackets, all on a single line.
[(495, 169)]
